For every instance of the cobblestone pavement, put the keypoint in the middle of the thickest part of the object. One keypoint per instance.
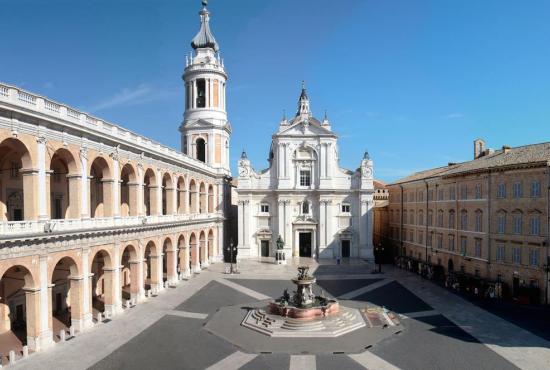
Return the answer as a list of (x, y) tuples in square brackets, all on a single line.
[(441, 330)]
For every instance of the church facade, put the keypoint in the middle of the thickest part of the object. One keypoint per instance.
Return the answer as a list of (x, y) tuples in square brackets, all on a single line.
[(319, 209)]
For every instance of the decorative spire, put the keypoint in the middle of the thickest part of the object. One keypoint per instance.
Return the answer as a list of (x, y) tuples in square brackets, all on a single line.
[(366, 155), (205, 38), (243, 155), (303, 103), (325, 119)]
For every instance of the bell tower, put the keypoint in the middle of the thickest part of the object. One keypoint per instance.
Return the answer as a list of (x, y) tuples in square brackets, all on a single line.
[(205, 130)]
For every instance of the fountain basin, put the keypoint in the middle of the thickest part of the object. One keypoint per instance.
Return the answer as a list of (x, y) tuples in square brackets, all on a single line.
[(306, 313)]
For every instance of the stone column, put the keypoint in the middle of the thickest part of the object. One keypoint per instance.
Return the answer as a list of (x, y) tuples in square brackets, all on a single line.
[(84, 183), (30, 193), (175, 194), (154, 273), (281, 219), (116, 185), (196, 265), (140, 200), (322, 226), (76, 284), (42, 193), (159, 193), (137, 290), (170, 204), (108, 190), (86, 311), (133, 195), (171, 266), (75, 209), (110, 292), (288, 237), (45, 334), (33, 317), (220, 243)]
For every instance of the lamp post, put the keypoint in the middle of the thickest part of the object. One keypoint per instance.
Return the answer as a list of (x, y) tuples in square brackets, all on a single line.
[(378, 256), (231, 250)]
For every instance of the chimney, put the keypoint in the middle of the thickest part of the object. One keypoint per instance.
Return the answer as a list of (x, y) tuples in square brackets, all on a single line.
[(479, 148), (505, 149)]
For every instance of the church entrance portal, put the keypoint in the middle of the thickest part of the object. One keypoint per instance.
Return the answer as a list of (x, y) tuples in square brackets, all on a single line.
[(265, 248), (305, 244)]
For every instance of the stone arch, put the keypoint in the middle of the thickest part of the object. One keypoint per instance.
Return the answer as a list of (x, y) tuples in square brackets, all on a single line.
[(183, 256), (101, 267), (64, 185), (169, 261), (200, 149), (194, 252), (167, 194), (211, 197), (149, 192), (128, 191), (203, 248), (17, 192), (66, 295), (193, 196), (202, 198), (101, 188), (181, 196), (211, 245), (150, 266), (129, 273), (19, 307)]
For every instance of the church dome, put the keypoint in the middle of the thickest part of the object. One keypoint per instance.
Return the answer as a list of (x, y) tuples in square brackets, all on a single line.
[(204, 38)]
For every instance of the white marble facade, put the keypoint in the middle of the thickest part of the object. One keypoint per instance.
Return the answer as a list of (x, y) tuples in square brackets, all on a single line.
[(318, 208)]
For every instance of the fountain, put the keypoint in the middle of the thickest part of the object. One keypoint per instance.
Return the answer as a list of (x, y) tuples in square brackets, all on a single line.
[(303, 304)]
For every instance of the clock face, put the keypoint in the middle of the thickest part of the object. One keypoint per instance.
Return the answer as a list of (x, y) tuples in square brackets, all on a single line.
[(243, 171), (368, 172)]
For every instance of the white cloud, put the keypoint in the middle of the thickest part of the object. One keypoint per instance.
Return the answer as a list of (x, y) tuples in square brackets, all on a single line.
[(127, 96), (454, 115)]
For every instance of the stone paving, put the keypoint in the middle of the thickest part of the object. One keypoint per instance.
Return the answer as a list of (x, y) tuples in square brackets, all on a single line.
[(441, 330)]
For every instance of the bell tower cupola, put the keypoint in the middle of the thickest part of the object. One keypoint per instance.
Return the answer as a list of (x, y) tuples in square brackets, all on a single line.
[(205, 130)]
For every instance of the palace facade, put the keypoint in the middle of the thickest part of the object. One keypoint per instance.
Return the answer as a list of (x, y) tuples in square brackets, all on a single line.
[(319, 209), (95, 218), (488, 217)]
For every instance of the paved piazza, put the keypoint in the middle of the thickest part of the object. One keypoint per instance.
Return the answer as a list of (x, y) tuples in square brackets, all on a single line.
[(170, 331)]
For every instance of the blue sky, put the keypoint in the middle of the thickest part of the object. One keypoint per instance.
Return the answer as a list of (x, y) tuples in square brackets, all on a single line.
[(414, 82)]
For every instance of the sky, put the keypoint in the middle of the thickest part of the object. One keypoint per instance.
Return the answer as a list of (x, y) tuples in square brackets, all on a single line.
[(412, 82)]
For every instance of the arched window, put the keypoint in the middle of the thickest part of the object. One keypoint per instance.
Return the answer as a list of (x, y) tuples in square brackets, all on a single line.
[(451, 219), (440, 218), (464, 220), (479, 220), (421, 218), (201, 149)]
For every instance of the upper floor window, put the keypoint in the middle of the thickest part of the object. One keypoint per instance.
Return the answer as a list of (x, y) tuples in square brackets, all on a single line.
[(430, 195), (479, 221), (420, 196), (305, 178), (534, 257), (451, 242), (440, 194), (201, 93), (264, 208), (464, 220), (477, 248), (430, 218), (452, 193), (451, 219), (517, 223), (534, 224), (501, 223), (478, 191), (464, 192), (440, 218), (421, 218), (501, 190), (517, 190), (411, 217), (516, 255), (535, 189), (346, 208), (439, 241), (463, 245), (500, 252)]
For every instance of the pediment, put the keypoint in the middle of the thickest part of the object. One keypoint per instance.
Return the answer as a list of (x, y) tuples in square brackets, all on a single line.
[(305, 128), (200, 123)]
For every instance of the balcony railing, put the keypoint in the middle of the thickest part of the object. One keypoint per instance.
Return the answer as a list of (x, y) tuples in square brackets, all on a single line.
[(37, 103), (15, 228)]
